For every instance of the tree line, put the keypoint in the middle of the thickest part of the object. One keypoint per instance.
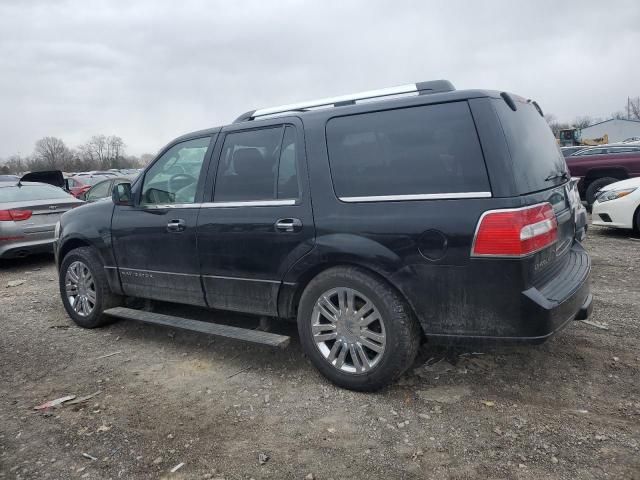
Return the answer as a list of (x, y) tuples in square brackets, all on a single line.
[(101, 152)]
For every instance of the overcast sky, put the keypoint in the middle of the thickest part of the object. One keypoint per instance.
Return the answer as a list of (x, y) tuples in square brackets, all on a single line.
[(151, 70)]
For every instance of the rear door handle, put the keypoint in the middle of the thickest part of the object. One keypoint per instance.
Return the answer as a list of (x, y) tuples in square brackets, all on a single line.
[(177, 225), (289, 225)]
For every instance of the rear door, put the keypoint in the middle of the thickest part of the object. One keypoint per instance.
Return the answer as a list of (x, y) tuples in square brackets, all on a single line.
[(258, 219)]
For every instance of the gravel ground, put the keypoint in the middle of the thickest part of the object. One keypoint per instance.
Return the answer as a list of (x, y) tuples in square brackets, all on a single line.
[(567, 409)]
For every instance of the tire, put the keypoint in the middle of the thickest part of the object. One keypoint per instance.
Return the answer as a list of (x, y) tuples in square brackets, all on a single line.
[(636, 221), (83, 262), (597, 184), (395, 337)]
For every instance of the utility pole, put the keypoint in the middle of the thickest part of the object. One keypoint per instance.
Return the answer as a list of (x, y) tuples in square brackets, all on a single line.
[(628, 108)]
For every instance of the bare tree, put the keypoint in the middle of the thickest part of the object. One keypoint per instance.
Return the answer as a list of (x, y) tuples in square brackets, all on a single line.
[(633, 108), (582, 122), (146, 158), (16, 164), (554, 124), (102, 152), (52, 153)]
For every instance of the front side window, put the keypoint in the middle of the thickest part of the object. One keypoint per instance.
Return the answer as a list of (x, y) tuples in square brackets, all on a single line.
[(174, 177), (429, 149), (258, 165)]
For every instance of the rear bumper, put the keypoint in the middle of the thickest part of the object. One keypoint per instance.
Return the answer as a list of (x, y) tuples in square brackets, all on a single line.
[(538, 313), (22, 248)]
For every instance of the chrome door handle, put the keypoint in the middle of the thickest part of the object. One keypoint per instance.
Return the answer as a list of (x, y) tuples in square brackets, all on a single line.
[(289, 225), (177, 225)]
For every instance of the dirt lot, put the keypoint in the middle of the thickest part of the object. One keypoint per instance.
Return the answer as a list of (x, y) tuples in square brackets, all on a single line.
[(567, 409)]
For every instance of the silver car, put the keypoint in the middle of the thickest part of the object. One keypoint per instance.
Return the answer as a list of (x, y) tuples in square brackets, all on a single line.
[(29, 212)]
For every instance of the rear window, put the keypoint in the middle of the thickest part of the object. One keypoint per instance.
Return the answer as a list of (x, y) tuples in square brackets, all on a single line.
[(431, 149), (31, 192), (537, 160)]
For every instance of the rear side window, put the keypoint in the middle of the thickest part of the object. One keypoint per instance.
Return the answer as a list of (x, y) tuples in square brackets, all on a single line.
[(430, 149), (538, 163)]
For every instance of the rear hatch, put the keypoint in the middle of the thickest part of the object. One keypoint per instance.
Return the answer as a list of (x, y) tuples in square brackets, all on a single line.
[(541, 175)]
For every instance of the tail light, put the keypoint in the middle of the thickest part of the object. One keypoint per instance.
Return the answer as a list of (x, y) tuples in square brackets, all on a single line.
[(15, 215), (515, 232)]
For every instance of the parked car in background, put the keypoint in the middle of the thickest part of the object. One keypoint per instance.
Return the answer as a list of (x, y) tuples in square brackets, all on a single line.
[(103, 189), (611, 148), (79, 184), (9, 178), (599, 166), (617, 205), (104, 173), (29, 212), (439, 214), (566, 151)]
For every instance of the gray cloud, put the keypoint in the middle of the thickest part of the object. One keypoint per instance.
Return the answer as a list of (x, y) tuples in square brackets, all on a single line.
[(149, 71)]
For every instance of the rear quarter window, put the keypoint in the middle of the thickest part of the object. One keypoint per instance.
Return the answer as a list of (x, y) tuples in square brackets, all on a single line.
[(431, 149)]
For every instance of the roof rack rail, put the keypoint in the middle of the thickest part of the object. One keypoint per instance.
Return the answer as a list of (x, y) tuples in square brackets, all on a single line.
[(421, 88)]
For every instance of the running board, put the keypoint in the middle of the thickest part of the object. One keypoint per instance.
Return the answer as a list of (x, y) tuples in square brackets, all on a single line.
[(245, 334)]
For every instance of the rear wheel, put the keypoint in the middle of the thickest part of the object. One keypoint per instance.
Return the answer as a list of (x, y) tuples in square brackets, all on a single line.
[(84, 289), (356, 329), (636, 221), (597, 184)]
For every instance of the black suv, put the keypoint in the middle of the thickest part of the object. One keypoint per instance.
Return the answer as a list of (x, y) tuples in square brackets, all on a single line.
[(374, 220)]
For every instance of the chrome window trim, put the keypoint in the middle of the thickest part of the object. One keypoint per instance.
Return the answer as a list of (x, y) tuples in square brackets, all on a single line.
[(251, 203), (248, 203), (166, 206), (422, 196)]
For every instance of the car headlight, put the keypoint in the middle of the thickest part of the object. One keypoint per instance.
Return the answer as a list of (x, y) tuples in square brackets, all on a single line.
[(614, 194), (56, 232)]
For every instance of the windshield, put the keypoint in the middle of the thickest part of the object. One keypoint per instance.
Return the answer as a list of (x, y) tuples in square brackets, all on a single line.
[(32, 192), (538, 162)]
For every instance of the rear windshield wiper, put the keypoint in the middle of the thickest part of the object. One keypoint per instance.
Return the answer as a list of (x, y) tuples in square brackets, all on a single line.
[(554, 175)]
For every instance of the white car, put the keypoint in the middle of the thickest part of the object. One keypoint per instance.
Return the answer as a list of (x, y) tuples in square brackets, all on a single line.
[(618, 205)]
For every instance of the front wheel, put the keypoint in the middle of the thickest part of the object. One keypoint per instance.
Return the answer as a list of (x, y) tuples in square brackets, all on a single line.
[(84, 289), (356, 329)]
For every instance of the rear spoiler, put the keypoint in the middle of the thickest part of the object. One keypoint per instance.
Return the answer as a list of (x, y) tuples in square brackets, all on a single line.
[(52, 177)]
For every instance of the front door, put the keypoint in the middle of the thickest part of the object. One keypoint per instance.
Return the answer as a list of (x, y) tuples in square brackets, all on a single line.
[(258, 221), (154, 240)]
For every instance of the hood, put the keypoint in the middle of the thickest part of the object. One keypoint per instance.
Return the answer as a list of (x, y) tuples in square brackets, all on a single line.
[(52, 177), (628, 183)]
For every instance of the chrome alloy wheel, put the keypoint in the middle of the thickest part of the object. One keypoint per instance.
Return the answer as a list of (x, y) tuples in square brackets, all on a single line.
[(80, 288), (348, 330)]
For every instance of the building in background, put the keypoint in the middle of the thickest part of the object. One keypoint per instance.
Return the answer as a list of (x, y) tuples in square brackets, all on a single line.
[(618, 129)]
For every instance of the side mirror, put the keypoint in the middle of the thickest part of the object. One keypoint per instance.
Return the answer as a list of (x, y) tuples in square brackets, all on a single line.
[(121, 194)]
